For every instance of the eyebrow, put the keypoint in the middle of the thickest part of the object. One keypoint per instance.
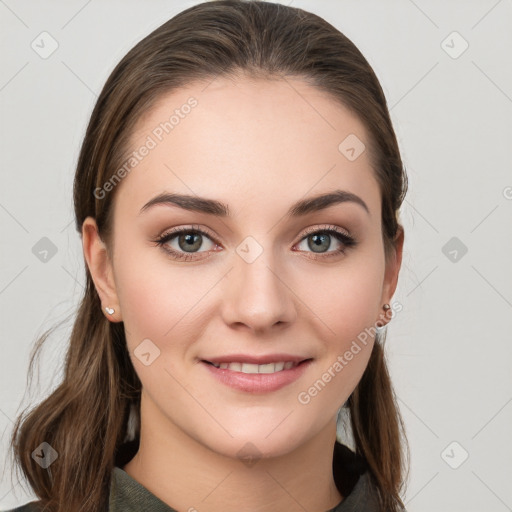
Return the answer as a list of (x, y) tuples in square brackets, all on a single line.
[(214, 207)]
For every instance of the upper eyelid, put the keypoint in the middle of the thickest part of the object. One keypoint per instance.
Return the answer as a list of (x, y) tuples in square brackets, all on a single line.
[(325, 227)]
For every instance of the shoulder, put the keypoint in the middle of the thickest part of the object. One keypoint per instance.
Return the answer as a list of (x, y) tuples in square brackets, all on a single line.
[(33, 506)]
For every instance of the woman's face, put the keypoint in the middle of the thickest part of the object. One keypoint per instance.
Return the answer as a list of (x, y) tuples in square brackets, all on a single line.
[(260, 284)]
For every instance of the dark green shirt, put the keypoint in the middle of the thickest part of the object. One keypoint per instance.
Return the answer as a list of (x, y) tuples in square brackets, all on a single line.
[(127, 495), (355, 484)]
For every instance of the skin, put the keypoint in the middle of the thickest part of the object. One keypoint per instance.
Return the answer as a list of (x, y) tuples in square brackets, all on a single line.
[(258, 146)]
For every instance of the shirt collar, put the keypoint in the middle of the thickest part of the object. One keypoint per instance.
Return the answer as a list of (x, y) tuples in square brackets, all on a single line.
[(128, 495)]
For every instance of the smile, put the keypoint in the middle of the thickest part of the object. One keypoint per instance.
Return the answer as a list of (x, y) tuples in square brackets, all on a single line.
[(257, 378), (257, 368)]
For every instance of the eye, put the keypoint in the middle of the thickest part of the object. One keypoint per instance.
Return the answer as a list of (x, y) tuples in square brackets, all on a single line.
[(319, 239), (188, 240)]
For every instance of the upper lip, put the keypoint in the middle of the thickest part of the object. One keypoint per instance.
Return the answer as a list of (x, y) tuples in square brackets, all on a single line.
[(264, 359)]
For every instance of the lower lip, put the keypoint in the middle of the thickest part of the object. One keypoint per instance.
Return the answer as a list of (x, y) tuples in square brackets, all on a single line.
[(257, 382)]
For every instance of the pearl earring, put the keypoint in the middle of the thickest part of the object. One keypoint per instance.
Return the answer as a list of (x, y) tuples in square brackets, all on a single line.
[(110, 311), (386, 307)]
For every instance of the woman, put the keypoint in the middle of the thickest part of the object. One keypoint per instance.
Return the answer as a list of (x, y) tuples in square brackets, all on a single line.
[(237, 194)]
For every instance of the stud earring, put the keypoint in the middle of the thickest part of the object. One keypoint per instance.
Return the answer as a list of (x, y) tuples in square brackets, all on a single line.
[(110, 311), (380, 325)]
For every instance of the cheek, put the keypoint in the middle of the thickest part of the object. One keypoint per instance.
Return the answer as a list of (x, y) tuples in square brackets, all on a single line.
[(347, 304), (345, 299), (166, 304), (161, 300)]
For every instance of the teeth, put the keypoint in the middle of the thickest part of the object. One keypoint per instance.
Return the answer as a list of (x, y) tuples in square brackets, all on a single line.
[(249, 368), (265, 368), (257, 368)]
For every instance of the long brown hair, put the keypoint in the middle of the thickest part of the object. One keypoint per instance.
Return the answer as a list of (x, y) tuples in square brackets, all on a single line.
[(92, 418)]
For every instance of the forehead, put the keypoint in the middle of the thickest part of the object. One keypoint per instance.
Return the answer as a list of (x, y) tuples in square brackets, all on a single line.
[(243, 140)]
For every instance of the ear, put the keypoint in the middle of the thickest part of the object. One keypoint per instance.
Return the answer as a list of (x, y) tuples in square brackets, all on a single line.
[(391, 274), (100, 267)]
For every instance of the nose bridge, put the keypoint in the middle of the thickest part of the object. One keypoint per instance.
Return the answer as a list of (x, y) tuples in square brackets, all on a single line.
[(256, 294)]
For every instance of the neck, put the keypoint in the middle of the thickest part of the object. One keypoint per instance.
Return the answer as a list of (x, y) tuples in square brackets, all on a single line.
[(187, 475)]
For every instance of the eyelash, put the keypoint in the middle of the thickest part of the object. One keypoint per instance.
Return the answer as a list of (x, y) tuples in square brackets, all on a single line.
[(347, 241)]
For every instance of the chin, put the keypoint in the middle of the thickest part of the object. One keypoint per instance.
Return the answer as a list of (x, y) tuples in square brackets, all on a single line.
[(261, 442)]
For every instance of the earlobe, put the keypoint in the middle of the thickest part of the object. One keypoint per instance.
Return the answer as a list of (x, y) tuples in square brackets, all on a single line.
[(100, 268), (391, 275)]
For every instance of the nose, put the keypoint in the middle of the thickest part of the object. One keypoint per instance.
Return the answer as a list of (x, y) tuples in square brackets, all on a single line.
[(256, 295)]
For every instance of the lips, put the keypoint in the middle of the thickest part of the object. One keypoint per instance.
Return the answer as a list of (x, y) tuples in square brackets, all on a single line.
[(257, 374)]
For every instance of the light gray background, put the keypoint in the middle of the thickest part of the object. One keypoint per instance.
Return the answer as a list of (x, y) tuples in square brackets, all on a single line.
[(449, 349)]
